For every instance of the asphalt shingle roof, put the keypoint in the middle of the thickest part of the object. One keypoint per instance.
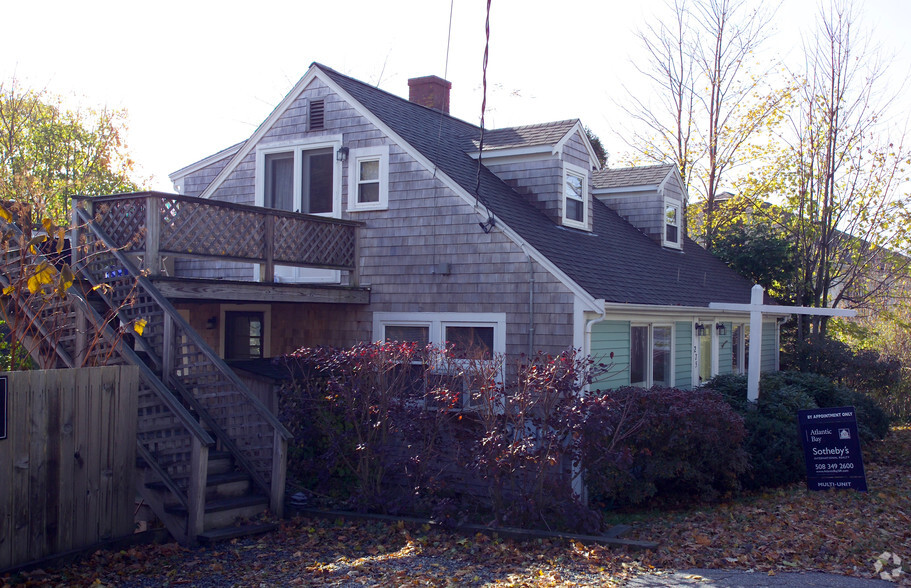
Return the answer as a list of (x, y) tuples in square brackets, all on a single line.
[(525, 136), (615, 261), (626, 177)]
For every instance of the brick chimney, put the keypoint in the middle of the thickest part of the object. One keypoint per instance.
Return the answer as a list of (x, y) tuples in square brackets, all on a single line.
[(430, 91)]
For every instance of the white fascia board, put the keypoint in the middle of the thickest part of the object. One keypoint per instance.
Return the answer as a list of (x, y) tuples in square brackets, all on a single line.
[(618, 309), (195, 167), (622, 189), (497, 154), (469, 199), (578, 128), (260, 131)]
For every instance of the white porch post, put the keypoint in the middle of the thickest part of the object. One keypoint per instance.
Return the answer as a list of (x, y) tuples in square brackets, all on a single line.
[(756, 309), (756, 346)]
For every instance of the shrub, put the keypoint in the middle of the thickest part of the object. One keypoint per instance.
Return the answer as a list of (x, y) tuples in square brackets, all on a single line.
[(662, 443), (773, 441), (387, 427), (345, 408)]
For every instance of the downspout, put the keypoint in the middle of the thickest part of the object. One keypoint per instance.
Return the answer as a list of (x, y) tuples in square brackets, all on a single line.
[(587, 338), (531, 306), (579, 489)]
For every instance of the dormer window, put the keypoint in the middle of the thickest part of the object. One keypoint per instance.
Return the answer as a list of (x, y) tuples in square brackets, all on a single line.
[(672, 225), (575, 197)]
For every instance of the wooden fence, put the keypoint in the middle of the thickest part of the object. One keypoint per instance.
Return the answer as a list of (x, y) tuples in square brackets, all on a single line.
[(67, 464)]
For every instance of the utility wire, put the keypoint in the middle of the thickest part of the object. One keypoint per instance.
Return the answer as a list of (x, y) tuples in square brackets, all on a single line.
[(477, 189)]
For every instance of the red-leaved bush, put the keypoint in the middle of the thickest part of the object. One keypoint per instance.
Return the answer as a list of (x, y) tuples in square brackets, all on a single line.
[(674, 445)]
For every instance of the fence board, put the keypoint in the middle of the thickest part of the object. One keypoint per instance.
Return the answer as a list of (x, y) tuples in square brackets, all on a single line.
[(20, 405), (37, 461), (68, 463), (6, 497), (66, 523)]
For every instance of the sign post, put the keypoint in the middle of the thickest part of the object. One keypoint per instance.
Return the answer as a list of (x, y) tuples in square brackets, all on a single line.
[(831, 449)]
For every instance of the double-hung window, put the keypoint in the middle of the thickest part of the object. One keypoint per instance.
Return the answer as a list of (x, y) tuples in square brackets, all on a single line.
[(368, 178), (651, 355), (575, 196), (672, 225), (475, 341)]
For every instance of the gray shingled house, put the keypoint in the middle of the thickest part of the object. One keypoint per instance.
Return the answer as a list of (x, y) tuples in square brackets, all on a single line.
[(352, 215), (524, 245)]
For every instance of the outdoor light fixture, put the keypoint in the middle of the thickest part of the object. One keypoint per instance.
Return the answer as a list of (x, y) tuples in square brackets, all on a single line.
[(720, 328), (211, 323), (700, 329), (342, 154)]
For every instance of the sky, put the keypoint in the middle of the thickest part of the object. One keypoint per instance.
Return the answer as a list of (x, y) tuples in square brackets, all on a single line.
[(198, 76)]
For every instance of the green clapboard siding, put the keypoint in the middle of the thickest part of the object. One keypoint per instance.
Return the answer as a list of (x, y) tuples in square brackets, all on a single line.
[(607, 337), (769, 347), (725, 350), (683, 355)]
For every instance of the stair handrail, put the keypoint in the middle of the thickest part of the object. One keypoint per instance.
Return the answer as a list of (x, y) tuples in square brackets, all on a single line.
[(150, 379), (175, 316)]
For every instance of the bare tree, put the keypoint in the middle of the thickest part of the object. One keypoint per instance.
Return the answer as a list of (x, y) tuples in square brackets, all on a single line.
[(709, 104), (840, 173)]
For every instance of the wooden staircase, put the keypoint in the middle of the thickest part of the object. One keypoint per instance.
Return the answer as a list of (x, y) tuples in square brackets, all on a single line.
[(210, 454)]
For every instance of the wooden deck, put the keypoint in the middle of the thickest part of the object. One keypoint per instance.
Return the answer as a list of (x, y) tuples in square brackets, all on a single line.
[(154, 226)]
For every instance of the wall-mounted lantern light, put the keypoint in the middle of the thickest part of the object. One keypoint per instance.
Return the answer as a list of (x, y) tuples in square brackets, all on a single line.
[(342, 154), (211, 323), (720, 329), (700, 330)]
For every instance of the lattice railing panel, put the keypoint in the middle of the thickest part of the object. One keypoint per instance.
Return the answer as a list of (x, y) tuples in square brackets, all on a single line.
[(123, 221), (225, 402), (199, 227), (56, 321), (305, 241), (203, 229), (195, 367)]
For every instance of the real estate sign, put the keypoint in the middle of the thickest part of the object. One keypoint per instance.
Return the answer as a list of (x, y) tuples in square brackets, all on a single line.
[(832, 448)]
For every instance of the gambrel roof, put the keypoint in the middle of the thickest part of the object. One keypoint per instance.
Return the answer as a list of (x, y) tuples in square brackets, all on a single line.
[(614, 262)]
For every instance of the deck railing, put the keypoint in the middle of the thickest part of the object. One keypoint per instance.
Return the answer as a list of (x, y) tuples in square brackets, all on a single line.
[(155, 224), (243, 426)]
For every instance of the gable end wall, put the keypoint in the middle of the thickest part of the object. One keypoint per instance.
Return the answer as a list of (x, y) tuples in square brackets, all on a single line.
[(426, 225)]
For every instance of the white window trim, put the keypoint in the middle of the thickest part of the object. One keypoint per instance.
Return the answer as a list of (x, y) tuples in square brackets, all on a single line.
[(298, 146), (266, 309), (650, 355), (679, 243), (568, 169), (381, 154), (436, 322)]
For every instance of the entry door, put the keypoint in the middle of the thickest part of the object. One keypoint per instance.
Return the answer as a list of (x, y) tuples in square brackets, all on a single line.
[(310, 191)]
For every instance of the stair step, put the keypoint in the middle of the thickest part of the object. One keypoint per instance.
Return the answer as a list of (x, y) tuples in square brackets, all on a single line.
[(213, 480), (224, 504), (228, 533)]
